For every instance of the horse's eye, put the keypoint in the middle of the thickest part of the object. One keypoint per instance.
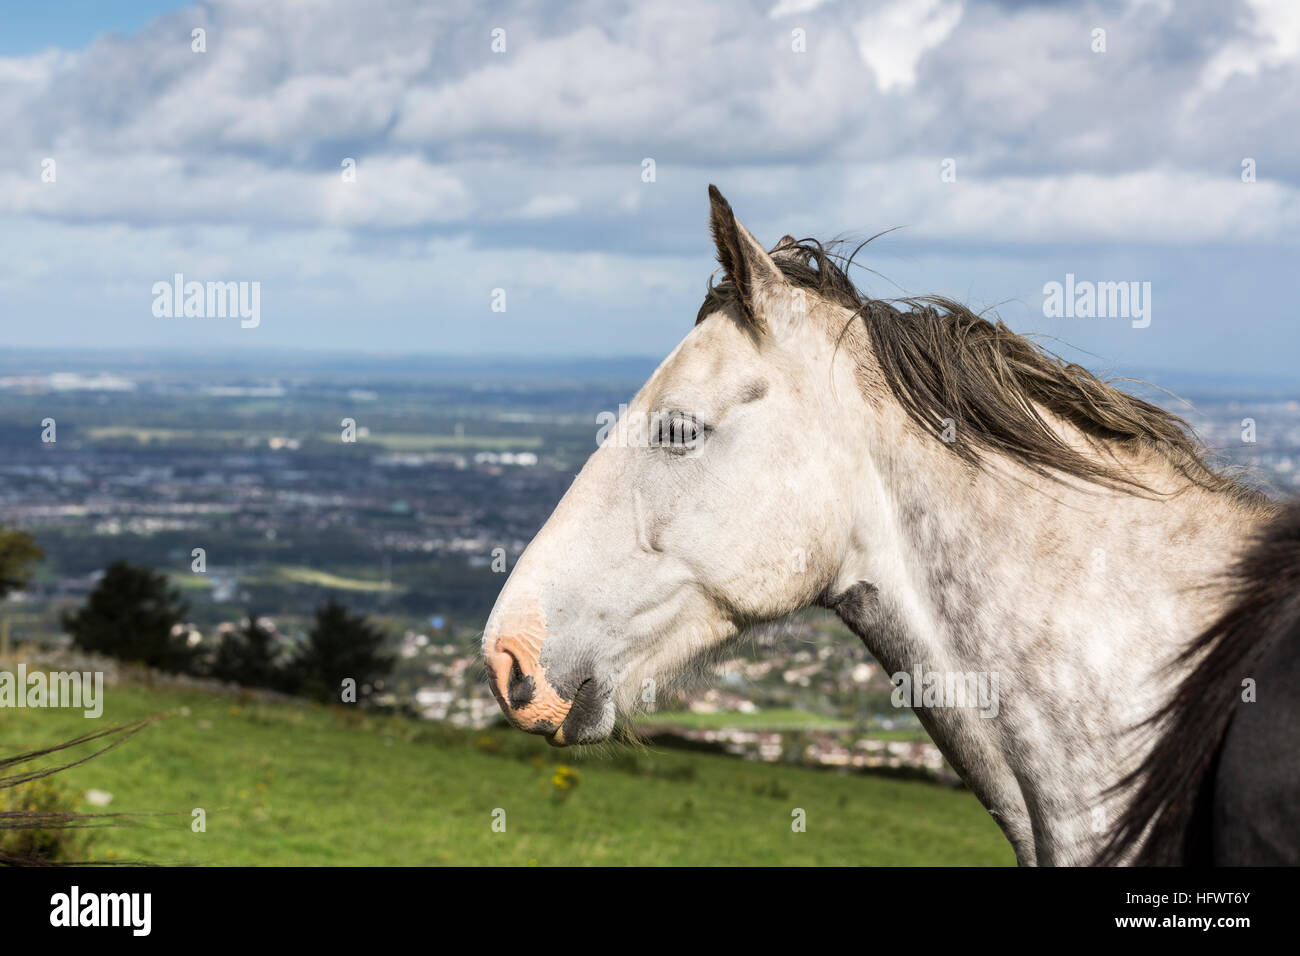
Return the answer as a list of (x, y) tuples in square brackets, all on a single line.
[(678, 433), (682, 432)]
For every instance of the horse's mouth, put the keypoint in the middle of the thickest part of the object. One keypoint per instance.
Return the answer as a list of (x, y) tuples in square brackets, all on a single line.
[(565, 715), (589, 720)]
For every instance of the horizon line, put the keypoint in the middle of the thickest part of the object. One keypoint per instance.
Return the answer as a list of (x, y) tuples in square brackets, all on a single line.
[(301, 355)]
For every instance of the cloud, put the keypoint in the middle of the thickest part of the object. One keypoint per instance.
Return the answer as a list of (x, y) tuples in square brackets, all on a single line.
[(894, 37), (1015, 87), (390, 191), (1272, 39), (547, 207), (524, 166)]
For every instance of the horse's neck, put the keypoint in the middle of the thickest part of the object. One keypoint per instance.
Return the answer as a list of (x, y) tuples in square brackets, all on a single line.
[(1067, 600)]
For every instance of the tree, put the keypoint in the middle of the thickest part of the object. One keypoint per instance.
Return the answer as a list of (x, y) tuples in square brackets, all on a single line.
[(133, 614), (247, 656), (340, 646), (18, 552)]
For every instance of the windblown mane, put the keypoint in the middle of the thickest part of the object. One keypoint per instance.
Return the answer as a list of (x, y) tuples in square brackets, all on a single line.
[(1173, 792), (940, 360)]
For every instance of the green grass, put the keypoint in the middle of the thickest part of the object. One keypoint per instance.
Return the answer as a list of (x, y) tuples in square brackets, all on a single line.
[(774, 719), (324, 579), (287, 575), (189, 581), (299, 784)]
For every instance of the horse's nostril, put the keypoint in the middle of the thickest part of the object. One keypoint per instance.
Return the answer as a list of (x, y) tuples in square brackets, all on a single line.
[(519, 687)]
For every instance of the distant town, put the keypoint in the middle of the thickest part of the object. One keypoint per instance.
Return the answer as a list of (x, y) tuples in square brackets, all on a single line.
[(407, 490)]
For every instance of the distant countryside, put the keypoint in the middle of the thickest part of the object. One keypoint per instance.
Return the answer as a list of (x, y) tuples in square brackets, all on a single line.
[(279, 504)]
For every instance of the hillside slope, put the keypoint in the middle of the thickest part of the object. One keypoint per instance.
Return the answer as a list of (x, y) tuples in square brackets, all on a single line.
[(289, 783)]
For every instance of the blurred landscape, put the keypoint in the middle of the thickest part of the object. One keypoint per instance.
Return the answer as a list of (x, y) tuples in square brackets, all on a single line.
[(455, 465)]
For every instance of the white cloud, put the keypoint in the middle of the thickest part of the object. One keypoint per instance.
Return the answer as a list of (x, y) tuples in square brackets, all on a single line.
[(893, 38), (785, 8), (1273, 38), (454, 138), (150, 188), (547, 207)]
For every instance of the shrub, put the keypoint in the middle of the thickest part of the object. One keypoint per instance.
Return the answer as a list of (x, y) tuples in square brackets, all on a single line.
[(340, 646), (247, 656), (133, 614), (39, 824)]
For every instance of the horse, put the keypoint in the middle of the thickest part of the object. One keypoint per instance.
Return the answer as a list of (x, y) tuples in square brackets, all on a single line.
[(973, 507)]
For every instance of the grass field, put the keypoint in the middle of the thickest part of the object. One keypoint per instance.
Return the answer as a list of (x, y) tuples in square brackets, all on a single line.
[(774, 719), (298, 784), (323, 579), (288, 575)]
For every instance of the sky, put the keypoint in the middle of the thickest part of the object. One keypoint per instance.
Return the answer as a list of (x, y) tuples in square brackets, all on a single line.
[(503, 154)]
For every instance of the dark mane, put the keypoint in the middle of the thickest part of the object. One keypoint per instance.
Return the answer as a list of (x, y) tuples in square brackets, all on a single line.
[(940, 360), (1174, 793)]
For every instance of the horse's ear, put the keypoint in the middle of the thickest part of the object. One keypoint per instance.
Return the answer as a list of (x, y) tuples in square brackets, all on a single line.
[(745, 261)]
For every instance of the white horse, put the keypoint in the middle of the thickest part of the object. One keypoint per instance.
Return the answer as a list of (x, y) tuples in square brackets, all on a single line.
[(976, 511)]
